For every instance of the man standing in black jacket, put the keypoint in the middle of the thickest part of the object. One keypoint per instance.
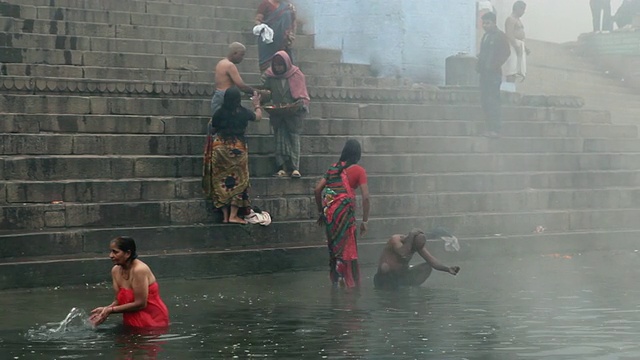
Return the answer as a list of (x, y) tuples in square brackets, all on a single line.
[(494, 51)]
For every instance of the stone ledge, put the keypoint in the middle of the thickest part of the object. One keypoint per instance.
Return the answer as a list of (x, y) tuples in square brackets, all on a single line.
[(36, 85)]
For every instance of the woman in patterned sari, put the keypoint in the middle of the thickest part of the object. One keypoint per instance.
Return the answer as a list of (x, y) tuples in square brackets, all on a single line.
[(336, 201), (280, 16), (226, 160)]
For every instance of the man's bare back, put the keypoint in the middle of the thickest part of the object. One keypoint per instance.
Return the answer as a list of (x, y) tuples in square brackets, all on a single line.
[(226, 71), (393, 266)]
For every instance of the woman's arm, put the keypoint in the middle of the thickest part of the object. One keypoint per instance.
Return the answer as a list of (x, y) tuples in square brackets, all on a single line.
[(318, 193), (256, 105), (364, 225), (100, 314)]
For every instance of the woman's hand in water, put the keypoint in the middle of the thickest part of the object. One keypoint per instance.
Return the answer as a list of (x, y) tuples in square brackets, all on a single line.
[(454, 270), (99, 315)]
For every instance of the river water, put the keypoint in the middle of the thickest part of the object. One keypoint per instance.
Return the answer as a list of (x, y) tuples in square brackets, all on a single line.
[(545, 306)]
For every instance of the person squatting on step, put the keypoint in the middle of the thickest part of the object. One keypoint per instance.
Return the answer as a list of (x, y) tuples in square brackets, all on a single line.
[(393, 267), (225, 178), (336, 201), (494, 51), (137, 295), (288, 87), (280, 16), (227, 75)]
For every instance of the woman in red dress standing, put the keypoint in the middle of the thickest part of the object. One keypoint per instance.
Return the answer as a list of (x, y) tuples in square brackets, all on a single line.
[(136, 290)]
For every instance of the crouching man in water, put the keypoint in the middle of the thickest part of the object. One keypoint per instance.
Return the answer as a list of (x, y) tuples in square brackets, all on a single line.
[(393, 268)]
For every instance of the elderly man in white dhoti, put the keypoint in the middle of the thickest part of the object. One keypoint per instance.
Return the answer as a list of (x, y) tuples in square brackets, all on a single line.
[(516, 66)]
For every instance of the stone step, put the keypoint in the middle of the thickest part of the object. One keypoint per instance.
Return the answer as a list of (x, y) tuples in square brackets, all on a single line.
[(437, 106), (147, 13), (293, 208), (49, 271), (128, 31), (193, 238), (143, 46), (137, 5), (132, 189), (170, 125), (314, 63), (67, 73), (107, 144), (66, 167)]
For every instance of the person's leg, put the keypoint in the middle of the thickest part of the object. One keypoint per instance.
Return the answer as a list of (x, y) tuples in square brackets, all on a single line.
[(416, 275), (276, 125), (607, 19), (494, 103), (385, 281), (595, 14), (233, 216), (293, 128), (225, 214)]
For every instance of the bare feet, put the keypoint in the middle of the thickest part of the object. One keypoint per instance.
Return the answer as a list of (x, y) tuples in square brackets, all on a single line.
[(236, 220)]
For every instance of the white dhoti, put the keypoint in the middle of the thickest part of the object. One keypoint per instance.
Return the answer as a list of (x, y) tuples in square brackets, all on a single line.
[(516, 65)]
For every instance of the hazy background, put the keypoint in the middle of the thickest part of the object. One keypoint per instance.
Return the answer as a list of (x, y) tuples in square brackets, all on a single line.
[(553, 20)]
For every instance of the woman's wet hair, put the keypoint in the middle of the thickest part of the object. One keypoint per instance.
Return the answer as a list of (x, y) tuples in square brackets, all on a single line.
[(126, 244), (232, 99), (351, 152)]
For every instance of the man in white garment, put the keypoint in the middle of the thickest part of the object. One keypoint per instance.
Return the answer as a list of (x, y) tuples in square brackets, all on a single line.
[(516, 66)]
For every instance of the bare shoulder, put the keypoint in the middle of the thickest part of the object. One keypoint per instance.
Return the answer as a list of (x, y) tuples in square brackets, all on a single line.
[(115, 270)]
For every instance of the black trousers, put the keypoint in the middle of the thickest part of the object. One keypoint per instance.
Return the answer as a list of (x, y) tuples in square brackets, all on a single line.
[(601, 10), (490, 98)]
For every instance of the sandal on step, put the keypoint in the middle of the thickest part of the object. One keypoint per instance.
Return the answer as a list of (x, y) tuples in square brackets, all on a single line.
[(280, 173), (296, 174)]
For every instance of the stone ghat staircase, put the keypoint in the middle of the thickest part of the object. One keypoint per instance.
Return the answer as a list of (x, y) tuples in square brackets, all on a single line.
[(104, 106), (563, 69)]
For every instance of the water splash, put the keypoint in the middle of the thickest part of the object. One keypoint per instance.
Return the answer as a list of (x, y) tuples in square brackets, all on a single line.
[(74, 325)]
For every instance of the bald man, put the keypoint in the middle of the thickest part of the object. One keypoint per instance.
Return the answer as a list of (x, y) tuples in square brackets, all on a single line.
[(393, 267), (227, 75)]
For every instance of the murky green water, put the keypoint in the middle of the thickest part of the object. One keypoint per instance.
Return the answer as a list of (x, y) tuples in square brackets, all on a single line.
[(541, 307)]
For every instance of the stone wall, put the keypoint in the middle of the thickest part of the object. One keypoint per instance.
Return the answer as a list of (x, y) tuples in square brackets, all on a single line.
[(399, 37), (617, 52)]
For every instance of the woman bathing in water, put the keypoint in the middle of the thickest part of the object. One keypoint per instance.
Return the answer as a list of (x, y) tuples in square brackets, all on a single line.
[(137, 295)]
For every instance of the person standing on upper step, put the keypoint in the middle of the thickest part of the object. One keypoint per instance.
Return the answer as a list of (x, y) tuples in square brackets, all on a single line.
[(494, 51), (516, 65), (280, 17), (601, 15), (227, 75), (288, 88)]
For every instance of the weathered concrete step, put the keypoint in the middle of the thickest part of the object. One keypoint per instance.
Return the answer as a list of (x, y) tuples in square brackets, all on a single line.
[(293, 208), (99, 167), (132, 124), (66, 167), (123, 32), (132, 189), (96, 191), (99, 80), (50, 271), (196, 237), (437, 105), (144, 46), (136, 5), (147, 13), (101, 144)]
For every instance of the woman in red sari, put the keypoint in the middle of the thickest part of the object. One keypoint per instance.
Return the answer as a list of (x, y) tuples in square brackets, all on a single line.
[(136, 290), (336, 201), (280, 16)]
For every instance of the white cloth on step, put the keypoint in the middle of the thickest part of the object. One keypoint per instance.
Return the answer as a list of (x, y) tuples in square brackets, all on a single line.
[(516, 65), (264, 31), (451, 243), (263, 218)]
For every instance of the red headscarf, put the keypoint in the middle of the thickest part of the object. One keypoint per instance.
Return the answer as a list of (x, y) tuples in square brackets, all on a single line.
[(297, 82)]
